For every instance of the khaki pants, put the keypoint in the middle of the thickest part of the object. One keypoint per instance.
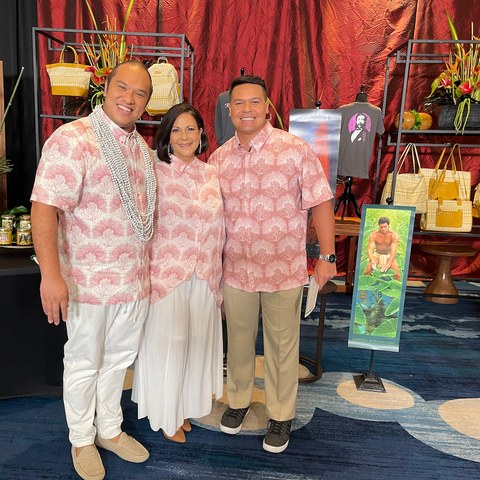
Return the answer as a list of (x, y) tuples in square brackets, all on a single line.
[(281, 334)]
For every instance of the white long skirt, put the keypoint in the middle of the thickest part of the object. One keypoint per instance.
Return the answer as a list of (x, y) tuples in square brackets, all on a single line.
[(179, 364)]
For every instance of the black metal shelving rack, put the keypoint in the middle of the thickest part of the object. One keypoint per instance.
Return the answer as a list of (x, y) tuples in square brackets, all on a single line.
[(181, 49), (407, 56)]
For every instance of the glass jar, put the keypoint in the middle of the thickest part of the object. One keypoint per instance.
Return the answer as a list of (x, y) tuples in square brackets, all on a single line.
[(5, 236), (24, 236), (26, 222), (8, 221)]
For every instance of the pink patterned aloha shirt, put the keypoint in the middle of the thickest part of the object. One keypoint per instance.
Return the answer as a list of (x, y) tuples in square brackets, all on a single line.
[(189, 231), (102, 260), (267, 191)]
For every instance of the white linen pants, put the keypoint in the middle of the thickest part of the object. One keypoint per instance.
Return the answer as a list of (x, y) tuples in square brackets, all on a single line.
[(102, 343), (179, 364)]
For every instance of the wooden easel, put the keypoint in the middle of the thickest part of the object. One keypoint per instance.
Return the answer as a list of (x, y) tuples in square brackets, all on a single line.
[(3, 151)]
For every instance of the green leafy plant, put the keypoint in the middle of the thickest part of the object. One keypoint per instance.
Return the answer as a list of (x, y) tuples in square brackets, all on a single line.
[(459, 83), (378, 313)]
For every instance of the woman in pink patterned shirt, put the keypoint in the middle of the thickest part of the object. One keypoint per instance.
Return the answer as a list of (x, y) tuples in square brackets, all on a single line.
[(179, 364)]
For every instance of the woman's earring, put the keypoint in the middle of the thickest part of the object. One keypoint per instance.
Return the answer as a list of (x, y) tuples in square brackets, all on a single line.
[(198, 151), (170, 149)]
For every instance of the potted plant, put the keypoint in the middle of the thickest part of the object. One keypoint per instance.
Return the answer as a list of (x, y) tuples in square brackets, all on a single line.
[(457, 88)]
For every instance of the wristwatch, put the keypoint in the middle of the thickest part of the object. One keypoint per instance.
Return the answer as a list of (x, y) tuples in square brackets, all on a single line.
[(328, 258)]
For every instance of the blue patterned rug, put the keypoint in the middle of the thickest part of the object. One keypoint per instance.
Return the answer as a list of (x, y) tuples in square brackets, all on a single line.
[(427, 425)]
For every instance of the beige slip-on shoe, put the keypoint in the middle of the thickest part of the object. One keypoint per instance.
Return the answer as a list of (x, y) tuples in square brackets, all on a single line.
[(127, 448), (88, 463)]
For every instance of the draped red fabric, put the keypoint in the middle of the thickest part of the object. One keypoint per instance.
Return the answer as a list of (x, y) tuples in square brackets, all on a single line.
[(304, 50)]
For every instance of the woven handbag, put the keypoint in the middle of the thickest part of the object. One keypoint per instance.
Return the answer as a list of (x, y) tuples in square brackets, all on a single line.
[(447, 216), (166, 89), (445, 183), (476, 203), (410, 188), (69, 79)]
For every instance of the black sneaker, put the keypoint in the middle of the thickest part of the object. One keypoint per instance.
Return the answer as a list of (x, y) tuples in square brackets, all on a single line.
[(232, 420), (278, 435)]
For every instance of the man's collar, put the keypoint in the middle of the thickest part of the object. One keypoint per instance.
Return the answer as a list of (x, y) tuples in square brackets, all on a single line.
[(258, 141), (119, 133)]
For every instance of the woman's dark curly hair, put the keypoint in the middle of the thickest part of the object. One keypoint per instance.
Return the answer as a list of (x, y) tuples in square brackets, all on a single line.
[(162, 137)]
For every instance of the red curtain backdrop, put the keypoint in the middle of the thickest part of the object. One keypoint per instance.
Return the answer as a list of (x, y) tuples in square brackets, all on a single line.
[(303, 49)]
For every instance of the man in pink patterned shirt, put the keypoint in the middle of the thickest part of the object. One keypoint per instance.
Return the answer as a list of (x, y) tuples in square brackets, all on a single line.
[(269, 180), (92, 217)]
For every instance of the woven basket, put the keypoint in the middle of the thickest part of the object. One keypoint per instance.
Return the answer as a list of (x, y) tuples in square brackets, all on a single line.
[(69, 79), (166, 90), (448, 113)]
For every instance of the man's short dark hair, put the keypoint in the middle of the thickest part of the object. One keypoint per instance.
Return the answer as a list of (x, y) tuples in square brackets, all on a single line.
[(383, 220), (137, 63), (249, 79)]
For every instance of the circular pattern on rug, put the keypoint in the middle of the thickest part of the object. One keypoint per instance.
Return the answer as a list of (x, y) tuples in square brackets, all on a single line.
[(395, 398), (463, 415)]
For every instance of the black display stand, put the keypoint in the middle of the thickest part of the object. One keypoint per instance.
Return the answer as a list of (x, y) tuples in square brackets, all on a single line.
[(346, 197), (329, 287), (369, 382)]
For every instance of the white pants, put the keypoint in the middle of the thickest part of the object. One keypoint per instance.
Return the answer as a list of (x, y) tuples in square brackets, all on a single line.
[(102, 343), (179, 363)]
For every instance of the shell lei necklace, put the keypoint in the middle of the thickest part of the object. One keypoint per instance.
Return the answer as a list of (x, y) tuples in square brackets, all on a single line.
[(142, 224)]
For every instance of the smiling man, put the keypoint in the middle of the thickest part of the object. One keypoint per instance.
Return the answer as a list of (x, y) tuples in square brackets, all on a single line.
[(269, 180), (382, 249), (92, 217)]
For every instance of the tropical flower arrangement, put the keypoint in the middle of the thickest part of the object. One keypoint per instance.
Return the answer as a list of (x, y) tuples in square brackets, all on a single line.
[(459, 83), (102, 59)]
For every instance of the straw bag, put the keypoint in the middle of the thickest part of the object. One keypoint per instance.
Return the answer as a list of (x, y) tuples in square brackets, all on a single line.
[(447, 216), (166, 89), (69, 79), (410, 188), (476, 203), (448, 184)]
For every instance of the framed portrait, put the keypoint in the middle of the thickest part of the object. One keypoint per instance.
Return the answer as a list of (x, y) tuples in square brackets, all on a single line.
[(381, 272)]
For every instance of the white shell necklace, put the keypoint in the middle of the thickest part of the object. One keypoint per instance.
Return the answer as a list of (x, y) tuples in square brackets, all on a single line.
[(110, 149)]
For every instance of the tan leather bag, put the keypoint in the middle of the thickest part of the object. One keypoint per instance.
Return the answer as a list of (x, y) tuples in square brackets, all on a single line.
[(69, 79), (445, 183), (447, 216)]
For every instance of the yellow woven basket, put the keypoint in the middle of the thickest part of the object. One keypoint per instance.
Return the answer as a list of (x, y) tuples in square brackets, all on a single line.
[(69, 79)]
